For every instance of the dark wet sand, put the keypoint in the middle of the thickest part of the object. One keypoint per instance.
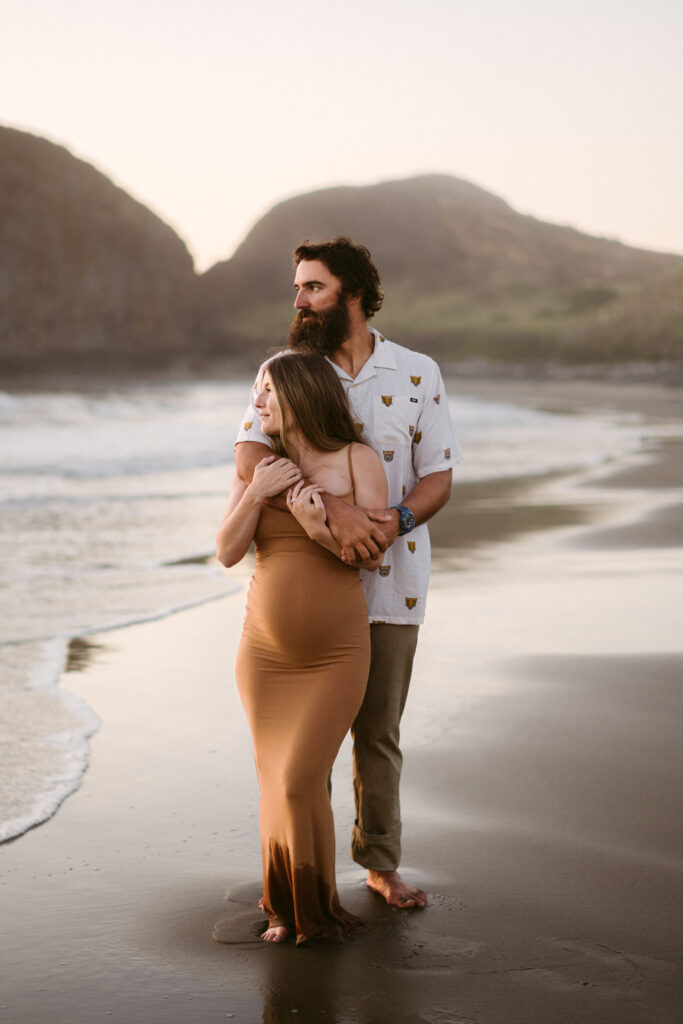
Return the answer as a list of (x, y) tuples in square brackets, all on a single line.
[(542, 797)]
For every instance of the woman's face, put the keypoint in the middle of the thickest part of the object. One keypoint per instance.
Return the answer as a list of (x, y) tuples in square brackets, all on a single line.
[(267, 407)]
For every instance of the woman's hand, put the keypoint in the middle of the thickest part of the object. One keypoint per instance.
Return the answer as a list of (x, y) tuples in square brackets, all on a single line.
[(273, 475), (305, 504)]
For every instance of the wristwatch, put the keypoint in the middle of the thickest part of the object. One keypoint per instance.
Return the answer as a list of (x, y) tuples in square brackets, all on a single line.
[(406, 520)]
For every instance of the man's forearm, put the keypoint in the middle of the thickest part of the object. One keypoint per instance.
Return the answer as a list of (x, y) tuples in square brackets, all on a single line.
[(359, 538), (428, 495), (248, 454), (378, 528)]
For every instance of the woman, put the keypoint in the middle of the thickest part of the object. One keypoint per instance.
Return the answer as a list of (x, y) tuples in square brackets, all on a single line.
[(303, 659)]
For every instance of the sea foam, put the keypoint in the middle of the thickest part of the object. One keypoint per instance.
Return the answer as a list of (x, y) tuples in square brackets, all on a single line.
[(110, 503)]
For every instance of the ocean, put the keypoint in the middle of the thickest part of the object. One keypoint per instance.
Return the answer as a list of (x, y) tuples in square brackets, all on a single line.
[(110, 498)]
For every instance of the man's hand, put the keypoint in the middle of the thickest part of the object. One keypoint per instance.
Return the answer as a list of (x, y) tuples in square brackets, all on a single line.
[(429, 495), (360, 538), (389, 521)]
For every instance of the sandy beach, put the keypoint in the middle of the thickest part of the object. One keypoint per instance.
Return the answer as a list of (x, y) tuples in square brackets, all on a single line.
[(542, 788)]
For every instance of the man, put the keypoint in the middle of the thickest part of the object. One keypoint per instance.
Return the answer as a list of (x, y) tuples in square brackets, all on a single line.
[(398, 400)]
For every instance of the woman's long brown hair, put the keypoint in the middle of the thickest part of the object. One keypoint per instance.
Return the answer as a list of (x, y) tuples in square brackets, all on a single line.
[(308, 389)]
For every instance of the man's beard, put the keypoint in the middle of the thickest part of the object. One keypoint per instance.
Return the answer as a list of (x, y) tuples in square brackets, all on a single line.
[(322, 332)]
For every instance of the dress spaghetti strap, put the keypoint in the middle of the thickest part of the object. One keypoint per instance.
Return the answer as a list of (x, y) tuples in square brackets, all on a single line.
[(353, 482)]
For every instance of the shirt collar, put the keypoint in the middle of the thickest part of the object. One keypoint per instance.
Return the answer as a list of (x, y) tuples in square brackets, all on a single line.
[(383, 353), (382, 357)]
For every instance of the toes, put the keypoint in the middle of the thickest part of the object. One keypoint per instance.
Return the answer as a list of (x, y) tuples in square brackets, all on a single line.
[(416, 898), (398, 895)]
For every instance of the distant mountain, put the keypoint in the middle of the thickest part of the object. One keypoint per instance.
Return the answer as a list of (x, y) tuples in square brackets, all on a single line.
[(89, 278), (464, 274), (92, 281)]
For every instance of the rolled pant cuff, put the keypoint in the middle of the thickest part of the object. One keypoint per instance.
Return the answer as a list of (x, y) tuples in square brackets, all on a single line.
[(376, 852)]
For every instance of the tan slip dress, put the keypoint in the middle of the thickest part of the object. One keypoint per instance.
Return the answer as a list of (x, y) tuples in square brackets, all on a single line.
[(301, 668)]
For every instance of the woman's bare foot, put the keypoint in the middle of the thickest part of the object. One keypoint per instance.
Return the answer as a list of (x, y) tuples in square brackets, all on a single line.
[(278, 933), (395, 891)]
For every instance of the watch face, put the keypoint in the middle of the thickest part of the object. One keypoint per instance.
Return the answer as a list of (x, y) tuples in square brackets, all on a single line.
[(407, 520)]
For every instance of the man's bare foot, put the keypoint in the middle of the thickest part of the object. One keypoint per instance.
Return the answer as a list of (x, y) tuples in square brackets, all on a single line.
[(395, 891), (278, 933)]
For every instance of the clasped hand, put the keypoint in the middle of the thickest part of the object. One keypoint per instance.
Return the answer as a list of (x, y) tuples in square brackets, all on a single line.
[(306, 505), (273, 475)]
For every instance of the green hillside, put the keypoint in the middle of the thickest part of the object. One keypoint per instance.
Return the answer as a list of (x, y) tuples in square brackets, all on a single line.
[(464, 275), (91, 281)]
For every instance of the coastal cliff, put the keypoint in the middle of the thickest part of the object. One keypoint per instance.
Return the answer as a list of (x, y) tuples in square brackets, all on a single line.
[(465, 275), (93, 282), (88, 276)]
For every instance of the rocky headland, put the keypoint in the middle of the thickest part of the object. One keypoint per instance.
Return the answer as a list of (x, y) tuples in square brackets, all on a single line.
[(93, 282)]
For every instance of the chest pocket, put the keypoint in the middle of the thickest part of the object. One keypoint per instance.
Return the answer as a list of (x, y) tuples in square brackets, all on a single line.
[(393, 418)]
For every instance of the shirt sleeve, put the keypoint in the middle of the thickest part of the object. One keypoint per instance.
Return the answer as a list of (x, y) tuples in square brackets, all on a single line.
[(250, 427), (435, 444)]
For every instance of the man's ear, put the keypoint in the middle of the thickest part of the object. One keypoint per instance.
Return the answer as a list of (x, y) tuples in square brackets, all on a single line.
[(354, 300)]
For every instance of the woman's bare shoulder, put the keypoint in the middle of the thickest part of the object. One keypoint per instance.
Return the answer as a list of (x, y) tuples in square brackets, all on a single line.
[(364, 456), (367, 466)]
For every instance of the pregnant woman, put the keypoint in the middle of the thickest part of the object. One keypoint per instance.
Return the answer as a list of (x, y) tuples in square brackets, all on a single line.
[(303, 659)]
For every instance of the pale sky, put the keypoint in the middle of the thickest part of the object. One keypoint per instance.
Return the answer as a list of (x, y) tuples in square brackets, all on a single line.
[(212, 111)]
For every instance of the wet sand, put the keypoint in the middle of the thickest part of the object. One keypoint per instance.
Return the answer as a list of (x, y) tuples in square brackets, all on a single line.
[(542, 794)]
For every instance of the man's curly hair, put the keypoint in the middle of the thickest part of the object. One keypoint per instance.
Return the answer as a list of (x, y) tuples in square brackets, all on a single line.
[(352, 264)]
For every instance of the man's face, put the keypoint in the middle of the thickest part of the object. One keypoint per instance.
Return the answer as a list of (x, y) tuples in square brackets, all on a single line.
[(322, 321)]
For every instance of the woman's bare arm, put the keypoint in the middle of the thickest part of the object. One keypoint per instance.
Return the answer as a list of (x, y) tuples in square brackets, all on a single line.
[(271, 476), (306, 503), (362, 540), (248, 454), (370, 487)]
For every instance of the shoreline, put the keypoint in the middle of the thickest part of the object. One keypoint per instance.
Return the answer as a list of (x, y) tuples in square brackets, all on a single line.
[(478, 523), (541, 795), (479, 374), (75, 652)]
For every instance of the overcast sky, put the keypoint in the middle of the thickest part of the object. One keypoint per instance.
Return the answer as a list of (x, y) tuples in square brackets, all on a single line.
[(212, 111)]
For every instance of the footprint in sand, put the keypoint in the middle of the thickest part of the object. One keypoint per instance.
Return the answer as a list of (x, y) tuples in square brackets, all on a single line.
[(600, 965), (434, 956), (437, 1016), (242, 923), (242, 928)]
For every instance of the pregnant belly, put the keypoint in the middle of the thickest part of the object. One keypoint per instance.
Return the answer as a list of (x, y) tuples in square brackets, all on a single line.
[(303, 616)]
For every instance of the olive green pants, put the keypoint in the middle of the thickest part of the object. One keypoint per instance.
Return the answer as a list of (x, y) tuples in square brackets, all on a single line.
[(377, 758)]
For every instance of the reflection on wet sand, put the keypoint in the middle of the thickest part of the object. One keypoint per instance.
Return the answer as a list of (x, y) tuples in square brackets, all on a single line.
[(541, 799)]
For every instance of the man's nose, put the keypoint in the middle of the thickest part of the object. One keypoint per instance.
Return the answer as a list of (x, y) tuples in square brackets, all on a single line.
[(301, 302)]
